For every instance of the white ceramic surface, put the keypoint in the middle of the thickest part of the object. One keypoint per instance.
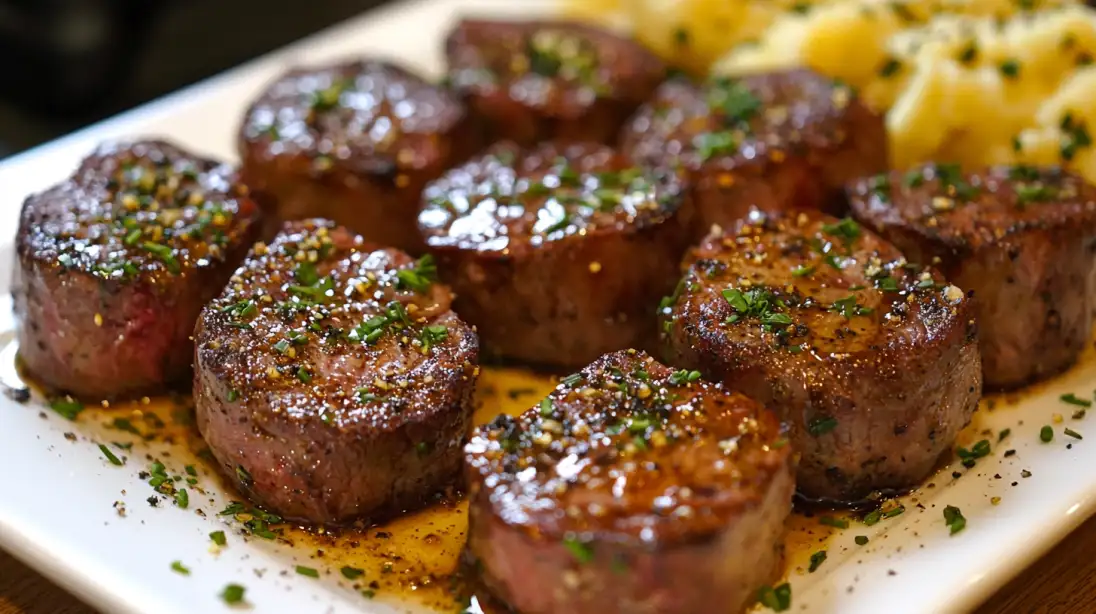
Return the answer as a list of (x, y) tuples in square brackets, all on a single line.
[(57, 496)]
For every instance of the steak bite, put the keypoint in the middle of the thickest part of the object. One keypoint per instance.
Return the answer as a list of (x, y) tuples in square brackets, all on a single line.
[(115, 263), (332, 381), (1023, 239), (537, 80), (779, 141), (560, 253), (630, 488), (354, 142), (872, 361)]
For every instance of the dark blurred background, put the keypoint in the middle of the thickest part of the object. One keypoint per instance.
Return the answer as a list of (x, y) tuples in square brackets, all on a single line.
[(67, 63)]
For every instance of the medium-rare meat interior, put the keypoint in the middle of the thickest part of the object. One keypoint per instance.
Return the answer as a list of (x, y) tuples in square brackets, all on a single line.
[(115, 262)]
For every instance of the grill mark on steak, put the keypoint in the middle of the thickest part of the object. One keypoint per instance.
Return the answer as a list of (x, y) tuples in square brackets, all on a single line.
[(335, 375), (115, 263), (354, 142), (778, 141), (1023, 239), (557, 253), (630, 488), (873, 362), (536, 80)]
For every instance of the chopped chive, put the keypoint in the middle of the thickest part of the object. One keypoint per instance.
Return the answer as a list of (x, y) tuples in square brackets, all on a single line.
[(233, 594), (1072, 433), (182, 499), (179, 568), (830, 521), (861, 540), (954, 519), (583, 552), (1073, 399), (114, 460), (351, 573), (816, 560), (218, 538), (307, 571)]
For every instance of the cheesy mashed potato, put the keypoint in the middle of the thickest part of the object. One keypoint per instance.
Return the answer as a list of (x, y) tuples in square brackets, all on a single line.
[(975, 81)]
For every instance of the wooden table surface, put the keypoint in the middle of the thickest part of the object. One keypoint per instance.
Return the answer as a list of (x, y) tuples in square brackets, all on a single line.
[(1062, 581)]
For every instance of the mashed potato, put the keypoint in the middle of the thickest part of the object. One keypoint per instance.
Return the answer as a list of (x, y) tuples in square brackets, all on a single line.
[(971, 81)]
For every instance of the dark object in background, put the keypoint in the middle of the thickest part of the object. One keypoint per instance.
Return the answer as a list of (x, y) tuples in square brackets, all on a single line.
[(67, 63)]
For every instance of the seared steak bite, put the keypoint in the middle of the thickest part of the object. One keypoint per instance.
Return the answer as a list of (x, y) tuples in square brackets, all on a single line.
[(557, 254), (631, 488), (332, 381), (779, 141), (115, 263), (872, 361), (1023, 239), (354, 142), (536, 80)]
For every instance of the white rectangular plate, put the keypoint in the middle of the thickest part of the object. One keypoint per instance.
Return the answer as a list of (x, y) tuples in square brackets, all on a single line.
[(58, 494)]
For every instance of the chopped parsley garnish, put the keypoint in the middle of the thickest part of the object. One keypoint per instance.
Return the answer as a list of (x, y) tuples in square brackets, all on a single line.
[(683, 376), (433, 335), (369, 331), (830, 521), (820, 425), (976, 451), (758, 303), (233, 594), (1072, 433), (816, 560), (244, 476), (954, 519), (848, 307), (1046, 434), (218, 538), (419, 278), (886, 283), (890, 67), (913, 179), (307, 571), (1005, 433), (351, 573), (583, 552), (951, 177), (179, 568), (1075, 136), (67, 406), (114, 460), (777, 599), (165, 254), (328, 98), (1034, 193), (182, 499), (233, 394), (303, 375), (1010, 69), (1073, 399), (738, 104), (803, 270), (306, 274), (847, 230), (861, 540), (711, 144), (546, 408)]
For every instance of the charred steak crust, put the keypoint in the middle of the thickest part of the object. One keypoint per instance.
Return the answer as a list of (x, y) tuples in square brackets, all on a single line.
[(354, 142), (115, 263), (536, 80), (872, 361), (630, 488), (1023, 239), (332, 380), (778, 141), (559, 253)]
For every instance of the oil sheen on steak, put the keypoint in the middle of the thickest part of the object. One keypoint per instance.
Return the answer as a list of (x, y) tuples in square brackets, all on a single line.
[(779, 141), (873, 362), (354, 142), (332, 380), (115, 263), (559, 253), (1023, 239), (536, 80), (631, 488)]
